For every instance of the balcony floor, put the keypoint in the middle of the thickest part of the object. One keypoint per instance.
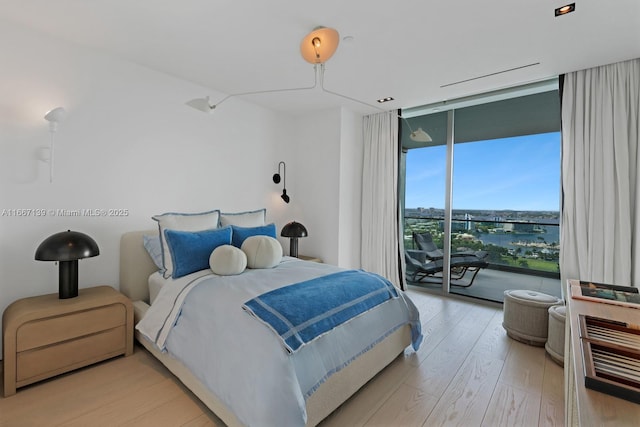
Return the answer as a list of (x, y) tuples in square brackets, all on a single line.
[(491, 284)]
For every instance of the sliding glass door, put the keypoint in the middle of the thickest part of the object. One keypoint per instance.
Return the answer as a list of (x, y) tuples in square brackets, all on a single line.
[(424, 174), (485, 189)]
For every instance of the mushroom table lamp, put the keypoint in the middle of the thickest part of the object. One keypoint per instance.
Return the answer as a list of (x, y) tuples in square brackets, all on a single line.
[(293, 231), (67, 247)]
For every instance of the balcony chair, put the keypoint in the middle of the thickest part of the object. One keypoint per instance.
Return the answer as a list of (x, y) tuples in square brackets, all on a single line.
[(421, 269), (424, 242)]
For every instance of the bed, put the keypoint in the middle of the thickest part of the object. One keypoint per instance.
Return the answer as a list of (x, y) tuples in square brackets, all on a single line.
[(136, 267)]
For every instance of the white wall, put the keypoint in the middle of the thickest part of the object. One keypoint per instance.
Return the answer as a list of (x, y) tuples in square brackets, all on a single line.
[(326, 185), (128, 142), (312, 177)]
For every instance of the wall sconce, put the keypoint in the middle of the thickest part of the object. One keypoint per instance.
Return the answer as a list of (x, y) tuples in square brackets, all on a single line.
[(67, 247), (276, 179), (53, 117), (420, 135), (293, 231)]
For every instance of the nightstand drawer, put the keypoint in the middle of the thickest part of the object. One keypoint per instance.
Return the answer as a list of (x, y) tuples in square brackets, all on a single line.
[(45, 336), (38, 333), (36, 364)]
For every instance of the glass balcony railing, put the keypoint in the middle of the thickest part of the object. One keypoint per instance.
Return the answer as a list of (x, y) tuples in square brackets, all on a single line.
[(526, 247)]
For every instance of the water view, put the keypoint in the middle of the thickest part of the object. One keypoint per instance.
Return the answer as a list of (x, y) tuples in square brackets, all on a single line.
[(521, 240)]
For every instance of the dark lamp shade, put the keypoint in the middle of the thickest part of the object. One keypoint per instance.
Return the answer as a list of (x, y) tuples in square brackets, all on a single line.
[(293, 229), (67, 246)]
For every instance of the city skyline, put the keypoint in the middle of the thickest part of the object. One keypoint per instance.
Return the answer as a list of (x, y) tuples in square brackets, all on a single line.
[(518, 173)]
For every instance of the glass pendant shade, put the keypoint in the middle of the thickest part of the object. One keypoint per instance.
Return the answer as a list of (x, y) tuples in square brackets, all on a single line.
[(319, 45)]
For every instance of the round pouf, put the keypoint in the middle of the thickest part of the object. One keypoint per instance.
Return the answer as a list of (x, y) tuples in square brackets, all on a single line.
[(555, 338), (526, 316)]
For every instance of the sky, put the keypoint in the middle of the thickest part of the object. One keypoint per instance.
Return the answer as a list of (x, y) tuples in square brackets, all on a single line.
[(518, 173)]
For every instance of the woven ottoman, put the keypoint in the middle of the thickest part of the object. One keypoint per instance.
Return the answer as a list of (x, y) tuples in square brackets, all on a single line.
[(555, 336), (526, 315)]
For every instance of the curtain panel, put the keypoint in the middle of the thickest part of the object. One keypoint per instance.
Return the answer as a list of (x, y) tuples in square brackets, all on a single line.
[(600, 228), (380, 242)]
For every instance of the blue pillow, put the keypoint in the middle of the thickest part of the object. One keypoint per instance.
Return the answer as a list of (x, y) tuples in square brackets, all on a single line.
[(190, 250), (241, 233)]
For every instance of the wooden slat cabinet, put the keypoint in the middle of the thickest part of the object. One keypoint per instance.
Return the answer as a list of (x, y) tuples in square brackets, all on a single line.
[(584, 406), (45, 336)]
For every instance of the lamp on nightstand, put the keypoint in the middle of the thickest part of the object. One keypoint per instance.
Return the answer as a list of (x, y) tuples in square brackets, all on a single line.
[(67, 247), (293, 231)]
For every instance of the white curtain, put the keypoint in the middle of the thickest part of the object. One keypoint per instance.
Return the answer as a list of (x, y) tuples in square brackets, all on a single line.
[(600, 233), (380, 243)]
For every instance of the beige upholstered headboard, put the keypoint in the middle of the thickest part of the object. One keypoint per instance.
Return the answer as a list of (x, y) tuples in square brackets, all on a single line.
[(135, 265)]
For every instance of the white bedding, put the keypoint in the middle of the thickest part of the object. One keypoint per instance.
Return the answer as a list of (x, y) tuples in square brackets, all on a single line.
[(199, 320), (156, 281)]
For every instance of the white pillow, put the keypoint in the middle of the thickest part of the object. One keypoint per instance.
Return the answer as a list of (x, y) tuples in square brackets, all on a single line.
[(182, 222), (262, 251), (227, 260), (244, 219)]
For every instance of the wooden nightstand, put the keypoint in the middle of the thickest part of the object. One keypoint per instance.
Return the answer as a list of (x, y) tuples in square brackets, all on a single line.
[(45, 336)]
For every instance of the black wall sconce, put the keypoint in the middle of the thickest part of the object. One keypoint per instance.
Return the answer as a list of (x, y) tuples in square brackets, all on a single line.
[(277, 178)]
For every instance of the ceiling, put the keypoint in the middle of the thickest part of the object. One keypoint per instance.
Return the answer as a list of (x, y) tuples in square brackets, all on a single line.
[(417, 51)]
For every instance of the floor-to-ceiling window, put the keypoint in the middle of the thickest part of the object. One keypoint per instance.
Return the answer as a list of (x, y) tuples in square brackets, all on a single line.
[(486, 184)]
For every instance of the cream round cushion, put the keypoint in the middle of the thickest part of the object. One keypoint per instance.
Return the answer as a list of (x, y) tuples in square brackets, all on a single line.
[(555, 338), (227, 260), (526, 315), (262, 251)]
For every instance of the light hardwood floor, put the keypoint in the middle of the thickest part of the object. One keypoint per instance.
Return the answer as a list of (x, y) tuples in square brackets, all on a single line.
[(467, 373)]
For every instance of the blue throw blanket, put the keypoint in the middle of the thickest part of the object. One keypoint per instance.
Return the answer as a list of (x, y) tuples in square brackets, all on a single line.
[(301, 312)]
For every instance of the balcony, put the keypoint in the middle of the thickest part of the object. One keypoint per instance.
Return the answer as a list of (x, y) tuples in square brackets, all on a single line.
[(490, 285), (523, 254)]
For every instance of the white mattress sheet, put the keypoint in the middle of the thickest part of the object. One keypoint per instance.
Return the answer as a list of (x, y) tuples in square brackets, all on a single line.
[(243, 362), (156, 282)]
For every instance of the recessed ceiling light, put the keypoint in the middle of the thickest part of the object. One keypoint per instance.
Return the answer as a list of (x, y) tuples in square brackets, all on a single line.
[(387, 99), (563, 10)]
